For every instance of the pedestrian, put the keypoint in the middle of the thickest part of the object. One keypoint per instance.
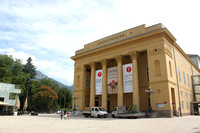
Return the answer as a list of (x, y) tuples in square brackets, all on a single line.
[(61, 114), (68, 115), (65, 114)]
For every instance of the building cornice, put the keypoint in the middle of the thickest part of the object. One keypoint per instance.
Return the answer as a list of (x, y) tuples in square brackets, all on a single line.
[(135, 39)]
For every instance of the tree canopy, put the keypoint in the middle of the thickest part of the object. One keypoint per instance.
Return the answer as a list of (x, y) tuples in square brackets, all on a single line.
[(30, 68), (44, 98)]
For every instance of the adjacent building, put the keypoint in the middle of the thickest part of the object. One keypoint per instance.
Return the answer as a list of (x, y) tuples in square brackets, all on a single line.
[(9, 100), (195, 59), (118, 69)]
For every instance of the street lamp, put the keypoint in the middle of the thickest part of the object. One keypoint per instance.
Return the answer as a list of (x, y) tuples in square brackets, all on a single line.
[(149, 92), (64, 99), (75, 97)]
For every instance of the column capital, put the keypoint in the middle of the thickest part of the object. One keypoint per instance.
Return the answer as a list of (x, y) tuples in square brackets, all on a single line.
[(92, 64), (118, 58), (133, 55), (103, 62)]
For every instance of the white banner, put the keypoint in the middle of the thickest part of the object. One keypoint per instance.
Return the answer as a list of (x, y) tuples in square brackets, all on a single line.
[(127, 78), (112, 80), (98, 82)]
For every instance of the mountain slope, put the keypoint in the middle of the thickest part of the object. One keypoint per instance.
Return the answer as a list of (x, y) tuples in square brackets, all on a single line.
[(40, 76)]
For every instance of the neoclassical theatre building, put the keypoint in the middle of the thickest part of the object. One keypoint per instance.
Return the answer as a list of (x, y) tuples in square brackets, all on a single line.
[(118, 69)]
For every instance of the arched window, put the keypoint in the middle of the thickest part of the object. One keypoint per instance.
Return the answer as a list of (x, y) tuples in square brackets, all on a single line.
[(170, 69), (78, 81), (157, 68)]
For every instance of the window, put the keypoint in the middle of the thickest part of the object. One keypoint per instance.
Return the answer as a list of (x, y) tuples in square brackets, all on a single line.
[(187, 105), (190, 96), (157, 68), (179, 74), (182, 104), (181, 93), (184, 77), (188, 80), (147, 74), (12, 96), (186, 94), (78, 81), (2, 99), (170, 68), (177, 57)]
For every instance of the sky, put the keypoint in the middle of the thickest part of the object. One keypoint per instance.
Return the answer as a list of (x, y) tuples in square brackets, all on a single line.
[(50, 31)]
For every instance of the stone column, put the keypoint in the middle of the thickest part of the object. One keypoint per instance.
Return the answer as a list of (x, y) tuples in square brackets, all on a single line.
[(84, 87), (92, 85), (120, 83), (133, 56), (104, 82)]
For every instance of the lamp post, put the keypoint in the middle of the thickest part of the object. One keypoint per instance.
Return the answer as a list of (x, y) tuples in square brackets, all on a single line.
[(75, 97), (149, 92), (64, 99)]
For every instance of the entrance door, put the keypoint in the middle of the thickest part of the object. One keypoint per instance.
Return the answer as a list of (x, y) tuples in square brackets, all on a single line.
[(173, 101), (108, 106), (96, 103)]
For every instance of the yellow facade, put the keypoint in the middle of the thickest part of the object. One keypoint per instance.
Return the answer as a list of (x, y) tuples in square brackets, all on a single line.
[(157, 61)]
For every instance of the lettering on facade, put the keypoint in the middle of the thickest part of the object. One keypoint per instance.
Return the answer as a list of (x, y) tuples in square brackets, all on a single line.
[(110, 39)]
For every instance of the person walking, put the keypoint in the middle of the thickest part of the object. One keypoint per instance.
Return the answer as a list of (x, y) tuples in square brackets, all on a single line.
[(61, 114), (68, 115), (65, 114)]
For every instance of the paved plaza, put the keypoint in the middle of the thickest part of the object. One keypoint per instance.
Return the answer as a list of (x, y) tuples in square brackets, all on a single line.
[(51, 123)]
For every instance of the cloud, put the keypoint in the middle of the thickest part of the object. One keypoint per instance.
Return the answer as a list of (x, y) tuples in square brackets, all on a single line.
[(18, 55), (51, 31)]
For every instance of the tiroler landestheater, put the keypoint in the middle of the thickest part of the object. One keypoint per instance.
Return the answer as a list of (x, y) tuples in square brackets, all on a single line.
[(119, 69)]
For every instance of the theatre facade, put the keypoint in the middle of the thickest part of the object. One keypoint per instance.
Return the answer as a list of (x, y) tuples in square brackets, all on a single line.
[(118, 69)]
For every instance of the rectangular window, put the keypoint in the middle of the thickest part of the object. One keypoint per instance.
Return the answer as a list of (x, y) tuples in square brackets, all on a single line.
[(181, 93), (147, 69), (182, 104), (190, 96), (177, 57), (188, 80), (188, 105), (186, 94), (184, 77), (12, 96), (179, 74), (2, 99)]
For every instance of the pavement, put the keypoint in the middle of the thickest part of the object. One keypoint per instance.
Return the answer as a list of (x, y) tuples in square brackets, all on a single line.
[(52, 123)]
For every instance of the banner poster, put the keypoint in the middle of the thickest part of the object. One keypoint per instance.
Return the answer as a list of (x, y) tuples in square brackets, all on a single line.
[(127, 78), (112, 80), (98, 82)]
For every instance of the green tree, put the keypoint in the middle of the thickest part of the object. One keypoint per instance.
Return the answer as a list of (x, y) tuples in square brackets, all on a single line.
[(48, 82), (6, 64), (30, 68), (44, 99), (64, 98)]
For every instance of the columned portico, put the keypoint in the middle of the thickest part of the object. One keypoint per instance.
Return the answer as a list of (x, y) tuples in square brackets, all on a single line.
[(112, 81), (92, 85), (104, 82), (133, 56), (120, 83)]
